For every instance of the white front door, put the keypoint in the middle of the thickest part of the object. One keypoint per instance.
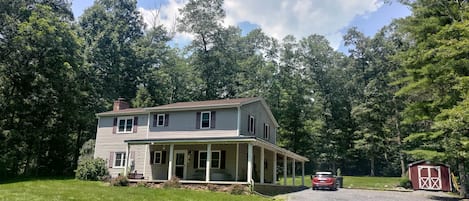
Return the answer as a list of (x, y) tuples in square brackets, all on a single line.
[(180, 158), (429, 177)]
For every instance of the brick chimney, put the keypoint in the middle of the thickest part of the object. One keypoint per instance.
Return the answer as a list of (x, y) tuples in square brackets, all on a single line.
[(120, 104)]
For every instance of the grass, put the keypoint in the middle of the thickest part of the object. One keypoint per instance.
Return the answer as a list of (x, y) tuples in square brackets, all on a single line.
[(71, 189), (361, 182)]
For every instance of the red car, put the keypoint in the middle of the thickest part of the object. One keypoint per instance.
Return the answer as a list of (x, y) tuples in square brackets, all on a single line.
[(324, 180)]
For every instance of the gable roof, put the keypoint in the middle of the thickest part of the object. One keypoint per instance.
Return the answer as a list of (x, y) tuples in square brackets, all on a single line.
[(195, 105)]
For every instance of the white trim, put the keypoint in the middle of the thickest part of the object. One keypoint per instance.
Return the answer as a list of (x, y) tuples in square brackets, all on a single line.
[(293, 168), (238, 125), (266, 131), (430, 182), (208, 162), (158, 120), (274, 168), (170, 161), (262, 165), (154, 157), (126, 118), (249, 173), (284, 170), (219, 159), (123, 160), (252, 124), (202, 119)]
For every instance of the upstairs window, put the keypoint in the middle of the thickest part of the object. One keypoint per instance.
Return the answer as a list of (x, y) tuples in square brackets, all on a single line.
[(266, 131), (251, 124), (119, 159), (205, 120), (160, 120), (125, 124)]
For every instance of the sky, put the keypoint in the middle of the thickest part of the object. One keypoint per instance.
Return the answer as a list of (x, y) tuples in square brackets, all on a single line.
[(278, 18)]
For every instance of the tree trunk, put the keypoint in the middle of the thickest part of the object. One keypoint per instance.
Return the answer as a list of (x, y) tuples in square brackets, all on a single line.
[(399, 138), (462, 178), (372, 166)]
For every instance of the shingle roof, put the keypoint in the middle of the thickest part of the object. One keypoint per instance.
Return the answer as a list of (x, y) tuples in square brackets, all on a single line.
[(209, 103), (185, 105)]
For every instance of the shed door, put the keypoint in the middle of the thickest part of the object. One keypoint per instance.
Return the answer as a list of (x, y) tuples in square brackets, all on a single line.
[(429, 177)]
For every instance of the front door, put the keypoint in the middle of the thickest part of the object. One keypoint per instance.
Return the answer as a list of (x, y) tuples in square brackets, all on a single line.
[(180, 165)]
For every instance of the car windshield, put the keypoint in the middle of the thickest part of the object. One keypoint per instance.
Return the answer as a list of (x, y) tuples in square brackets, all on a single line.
[(324, 175)]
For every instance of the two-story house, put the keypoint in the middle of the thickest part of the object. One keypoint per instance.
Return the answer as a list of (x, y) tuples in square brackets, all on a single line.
[(236, 138)]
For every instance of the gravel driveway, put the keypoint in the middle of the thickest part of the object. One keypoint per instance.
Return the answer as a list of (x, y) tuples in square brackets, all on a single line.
[(367, 195)]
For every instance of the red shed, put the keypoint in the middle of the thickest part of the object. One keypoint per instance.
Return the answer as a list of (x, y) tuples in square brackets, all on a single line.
[(426, 175)]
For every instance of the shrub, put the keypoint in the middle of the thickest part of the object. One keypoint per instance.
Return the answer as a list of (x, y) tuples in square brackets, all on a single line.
[(172, 183), (238, 189), (120, 181), (212, 187), (405, 183), (91, 169)]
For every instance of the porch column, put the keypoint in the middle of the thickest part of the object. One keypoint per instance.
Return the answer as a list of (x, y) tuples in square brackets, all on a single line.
[(293, 171), (274, 168), (249, 175), (302, 173), (127, 153), (237, 161), (262, 165), (284, 170), (170, 161), (208, 162)]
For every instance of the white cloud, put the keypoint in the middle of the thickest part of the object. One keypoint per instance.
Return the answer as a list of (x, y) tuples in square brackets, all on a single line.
[(300, 18), (279, 18)]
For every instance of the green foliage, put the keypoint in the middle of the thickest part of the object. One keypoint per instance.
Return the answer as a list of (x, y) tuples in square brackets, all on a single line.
[(172, 183), (91, 169), (119, 181), (405, 183)]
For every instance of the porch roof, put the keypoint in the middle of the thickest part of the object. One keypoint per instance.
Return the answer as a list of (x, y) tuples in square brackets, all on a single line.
[(223, 140)]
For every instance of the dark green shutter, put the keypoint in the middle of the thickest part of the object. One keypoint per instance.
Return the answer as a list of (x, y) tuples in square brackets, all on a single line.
[(222, 159), (196, 159)]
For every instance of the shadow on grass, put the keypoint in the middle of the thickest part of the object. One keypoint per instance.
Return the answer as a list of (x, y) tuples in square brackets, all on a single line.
[(24, 179)]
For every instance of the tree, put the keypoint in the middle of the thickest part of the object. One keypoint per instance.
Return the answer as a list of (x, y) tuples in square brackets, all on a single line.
[(435, 69), (111, 30), (39, 96)]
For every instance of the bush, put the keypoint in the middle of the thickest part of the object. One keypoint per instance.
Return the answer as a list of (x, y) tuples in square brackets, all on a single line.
[(120, 181), (172, 183), (238, 189), (91, 169), (405, 183)]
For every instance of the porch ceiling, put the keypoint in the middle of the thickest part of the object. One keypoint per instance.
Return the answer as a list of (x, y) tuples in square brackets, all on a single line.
[(222, 140)]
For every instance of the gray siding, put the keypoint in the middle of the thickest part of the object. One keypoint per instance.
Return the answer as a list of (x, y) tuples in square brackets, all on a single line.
[(261, 116), (183, 125)]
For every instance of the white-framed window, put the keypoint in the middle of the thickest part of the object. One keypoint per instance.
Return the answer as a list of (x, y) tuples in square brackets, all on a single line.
[(125, 124), (119, 159), (205, 118), (266, 131), (252, 124), (160, 120), (216, 158), (157, 157)]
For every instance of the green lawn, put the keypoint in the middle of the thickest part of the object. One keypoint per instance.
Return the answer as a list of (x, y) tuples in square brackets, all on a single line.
[(363, 182), (70, 189)]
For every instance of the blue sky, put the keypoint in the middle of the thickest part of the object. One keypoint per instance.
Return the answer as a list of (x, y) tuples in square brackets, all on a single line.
[(279, 18)]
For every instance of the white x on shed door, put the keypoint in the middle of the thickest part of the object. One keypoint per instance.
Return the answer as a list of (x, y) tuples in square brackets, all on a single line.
[(429, 177)]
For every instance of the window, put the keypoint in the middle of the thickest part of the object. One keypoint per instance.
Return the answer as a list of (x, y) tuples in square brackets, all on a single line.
[(205, 120), (251, 125), (125, 124), (119, 159), (160, 120), (216, 156), (157, 157), (266, 131)]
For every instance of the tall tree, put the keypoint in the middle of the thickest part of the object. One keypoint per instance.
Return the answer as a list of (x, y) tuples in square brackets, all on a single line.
[(39, 97), (111, 30), (435, 79)]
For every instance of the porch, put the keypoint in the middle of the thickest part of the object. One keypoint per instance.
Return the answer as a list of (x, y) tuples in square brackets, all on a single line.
[(235, 160)]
